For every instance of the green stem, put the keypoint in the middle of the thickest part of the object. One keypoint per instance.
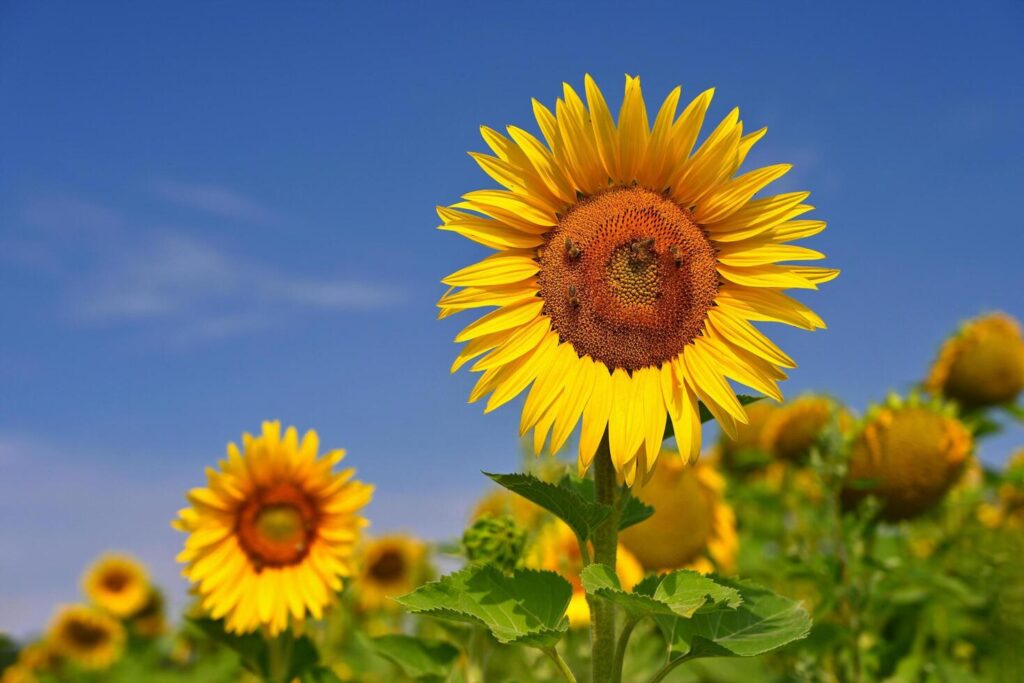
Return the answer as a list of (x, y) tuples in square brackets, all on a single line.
[(560, 664), (620, 649), (279, 654), (606, 543), (667, 669)]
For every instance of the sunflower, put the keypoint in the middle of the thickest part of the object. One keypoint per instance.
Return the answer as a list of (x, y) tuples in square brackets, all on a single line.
[(150, 621), (33, 659), (390, 566), (1008, 508), (692, 526), (118, 584), (982, 365), (909, 453), (627, 274), (502, 502), (794, 428), (273, 532), (86, 636), (556, 548)]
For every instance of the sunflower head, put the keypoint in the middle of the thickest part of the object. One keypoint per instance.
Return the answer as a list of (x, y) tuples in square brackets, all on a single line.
[(908, 453), (794, 428), (86, 636), (982, 365), (151, 619), (33, 659), (692, 525), (497, 541), (555, 548), (118, 584), (629, 270), (390, 566), (273, 532)]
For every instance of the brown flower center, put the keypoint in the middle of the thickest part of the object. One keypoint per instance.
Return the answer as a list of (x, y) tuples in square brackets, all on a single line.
[(86, 635), (276, 526), (388, 567), (627, 277), (115, 580)]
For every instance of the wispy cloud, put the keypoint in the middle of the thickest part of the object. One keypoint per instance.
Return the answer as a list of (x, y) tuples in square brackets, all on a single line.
[(216, 200)]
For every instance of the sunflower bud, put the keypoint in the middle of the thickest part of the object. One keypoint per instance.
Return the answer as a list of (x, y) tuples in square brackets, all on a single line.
[(982, 365), (497, 541)]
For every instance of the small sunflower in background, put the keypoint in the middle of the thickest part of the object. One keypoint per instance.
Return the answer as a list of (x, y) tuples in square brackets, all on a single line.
[(692, 527), (35, 659), (909, 453), (150, 621), (502, 502), (273, 533), (793, 429), (556, 548), (982, 364), (390, 566), (87, 636), (628, 273), (117, 583)]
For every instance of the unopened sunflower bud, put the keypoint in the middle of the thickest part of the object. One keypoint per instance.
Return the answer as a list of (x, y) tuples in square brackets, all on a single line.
[(497, 541)]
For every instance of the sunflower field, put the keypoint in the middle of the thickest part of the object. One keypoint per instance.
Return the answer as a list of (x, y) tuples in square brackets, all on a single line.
[(674, 517)]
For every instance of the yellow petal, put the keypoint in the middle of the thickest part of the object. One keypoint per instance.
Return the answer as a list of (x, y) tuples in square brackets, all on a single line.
[(522, 374), (605, 135), (578, 387), (498, 269), (504, 318), (595, 415), (654, 413), (526, 338), (767, 305), (634, 131), (734, 194), (655, 168), (741, 333)]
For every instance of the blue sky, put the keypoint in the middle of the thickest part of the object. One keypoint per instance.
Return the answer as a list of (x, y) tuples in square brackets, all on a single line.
[(217, 213)]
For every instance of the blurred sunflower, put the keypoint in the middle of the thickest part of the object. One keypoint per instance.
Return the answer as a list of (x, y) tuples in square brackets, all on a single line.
[(909, 453), (555, 548), (692, 526), (86, 636), (273, 532), (982, 365), (390, 565), (33, 659), (795, 427), (627, 275), (118, 584), (1008, 509)]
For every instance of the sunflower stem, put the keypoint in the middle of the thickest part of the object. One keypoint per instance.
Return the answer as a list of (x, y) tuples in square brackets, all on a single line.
[(279, 654), (606, 543)]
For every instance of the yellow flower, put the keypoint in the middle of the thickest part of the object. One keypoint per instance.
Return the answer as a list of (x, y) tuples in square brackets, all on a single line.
[(982, 365), (18, 673), (909, 454), (118, 584), (692, 525), (33, 659), (794, 428), (1008, 509), (86, 636), (556, 549), (390, 566), (748, 436), (273, 532), (627, 275)]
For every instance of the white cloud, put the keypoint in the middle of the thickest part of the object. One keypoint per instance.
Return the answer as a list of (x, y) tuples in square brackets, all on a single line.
[(216, 200)]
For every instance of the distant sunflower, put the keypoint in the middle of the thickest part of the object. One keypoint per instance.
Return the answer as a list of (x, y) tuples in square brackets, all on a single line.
[(982, 365), (1008, 508), (556, 548), (390, 566), (150, 621), (33, 659), (273, 532), (795, 427), (692, 527), (118, 584), (748, 439), (627, 275), (501, 502), (87, 636), (908, 453)]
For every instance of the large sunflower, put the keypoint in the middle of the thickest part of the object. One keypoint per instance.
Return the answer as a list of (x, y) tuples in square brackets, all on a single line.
[(118, 584), (273, 532), (86, 636), (628, 270)]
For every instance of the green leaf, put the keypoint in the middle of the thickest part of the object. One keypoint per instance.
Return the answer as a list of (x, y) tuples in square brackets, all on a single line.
[(680, 593), (634, 510), (706, 416), (319, 674), (564, 500), (251, 647), (418, 658), (763, 622), (526, 607)]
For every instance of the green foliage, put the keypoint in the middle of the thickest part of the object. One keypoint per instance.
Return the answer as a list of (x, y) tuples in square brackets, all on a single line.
[(420, 659), (256, 653), (563, 500), (525, 606), (680, 593)]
